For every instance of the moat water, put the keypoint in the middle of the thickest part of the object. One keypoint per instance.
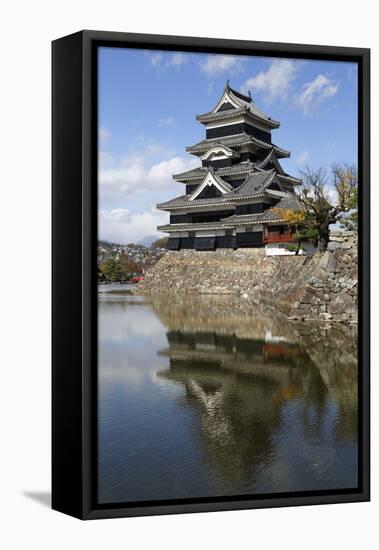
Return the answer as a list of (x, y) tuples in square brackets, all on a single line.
[(205, 397)]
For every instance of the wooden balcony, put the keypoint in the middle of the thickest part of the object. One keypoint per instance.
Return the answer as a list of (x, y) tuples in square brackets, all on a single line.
[(277, 238)]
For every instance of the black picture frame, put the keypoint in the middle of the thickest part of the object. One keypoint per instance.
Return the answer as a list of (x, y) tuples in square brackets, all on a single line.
[(74, 314)]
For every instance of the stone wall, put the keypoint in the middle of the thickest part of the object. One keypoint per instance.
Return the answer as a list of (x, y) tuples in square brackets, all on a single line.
[(322, 287), (331, 291)]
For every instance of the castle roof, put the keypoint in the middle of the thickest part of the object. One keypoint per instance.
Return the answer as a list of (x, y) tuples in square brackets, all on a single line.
[(238, 140), (255, 184), (252, 160), (200, 171), (184, 202), (267, 217), (271, 215), (233, 103), (289, 201), (241, 168)]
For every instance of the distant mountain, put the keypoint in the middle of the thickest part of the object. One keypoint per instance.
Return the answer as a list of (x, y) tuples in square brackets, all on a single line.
[(148, 240)]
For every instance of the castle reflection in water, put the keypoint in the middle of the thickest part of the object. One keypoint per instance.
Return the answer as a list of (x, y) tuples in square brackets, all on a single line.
[(267, 405)]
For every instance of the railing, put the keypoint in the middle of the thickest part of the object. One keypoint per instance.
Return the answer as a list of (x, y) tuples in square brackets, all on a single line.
[(277, 238)]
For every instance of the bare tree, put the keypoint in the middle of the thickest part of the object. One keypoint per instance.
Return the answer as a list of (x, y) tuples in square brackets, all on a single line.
[(321, 208)]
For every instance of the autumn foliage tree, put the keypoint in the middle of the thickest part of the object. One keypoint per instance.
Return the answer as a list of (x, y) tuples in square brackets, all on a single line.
[(119, 269), (303, 227), (128, 268), (350, 220), (325, 199)]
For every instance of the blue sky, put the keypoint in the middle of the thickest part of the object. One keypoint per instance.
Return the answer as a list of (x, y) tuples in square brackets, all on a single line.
[(147, 106)]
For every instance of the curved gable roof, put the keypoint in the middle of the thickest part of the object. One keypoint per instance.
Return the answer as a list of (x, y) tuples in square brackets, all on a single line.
[(271, 158), (211, 179), (241, 104), (255, 184), (220, 147)]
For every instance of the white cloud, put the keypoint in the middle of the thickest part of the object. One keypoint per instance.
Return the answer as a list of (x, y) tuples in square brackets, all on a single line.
[(315, 92), (178, 59), (105, 159), (275, 82), (123, 226), (332, 195), (104, 136), (216, 64), (167, 121), (302, 159), (159, 60), (155, 58), (132, 175), (352, 73), (118, 182), (131, 186), (129, 190)]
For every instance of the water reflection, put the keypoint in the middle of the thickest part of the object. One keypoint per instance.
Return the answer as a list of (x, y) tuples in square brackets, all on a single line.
[(230, 399)]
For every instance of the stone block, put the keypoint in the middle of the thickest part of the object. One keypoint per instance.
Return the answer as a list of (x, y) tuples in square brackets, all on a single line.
[(325, 316), (332, 245)]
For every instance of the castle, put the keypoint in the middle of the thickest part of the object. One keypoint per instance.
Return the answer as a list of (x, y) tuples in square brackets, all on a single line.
[(234, 198)]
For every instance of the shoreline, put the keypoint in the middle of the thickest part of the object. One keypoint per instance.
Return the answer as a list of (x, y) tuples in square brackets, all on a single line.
[(320, 288)]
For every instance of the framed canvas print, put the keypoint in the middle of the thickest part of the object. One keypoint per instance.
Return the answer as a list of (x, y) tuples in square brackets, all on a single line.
[(210, 274)]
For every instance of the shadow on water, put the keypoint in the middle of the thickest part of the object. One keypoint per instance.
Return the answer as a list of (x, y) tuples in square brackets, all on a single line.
[(265, 404)]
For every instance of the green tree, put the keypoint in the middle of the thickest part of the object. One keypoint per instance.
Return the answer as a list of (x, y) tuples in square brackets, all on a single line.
[(100, 275), (110, 270), (127, 268)]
